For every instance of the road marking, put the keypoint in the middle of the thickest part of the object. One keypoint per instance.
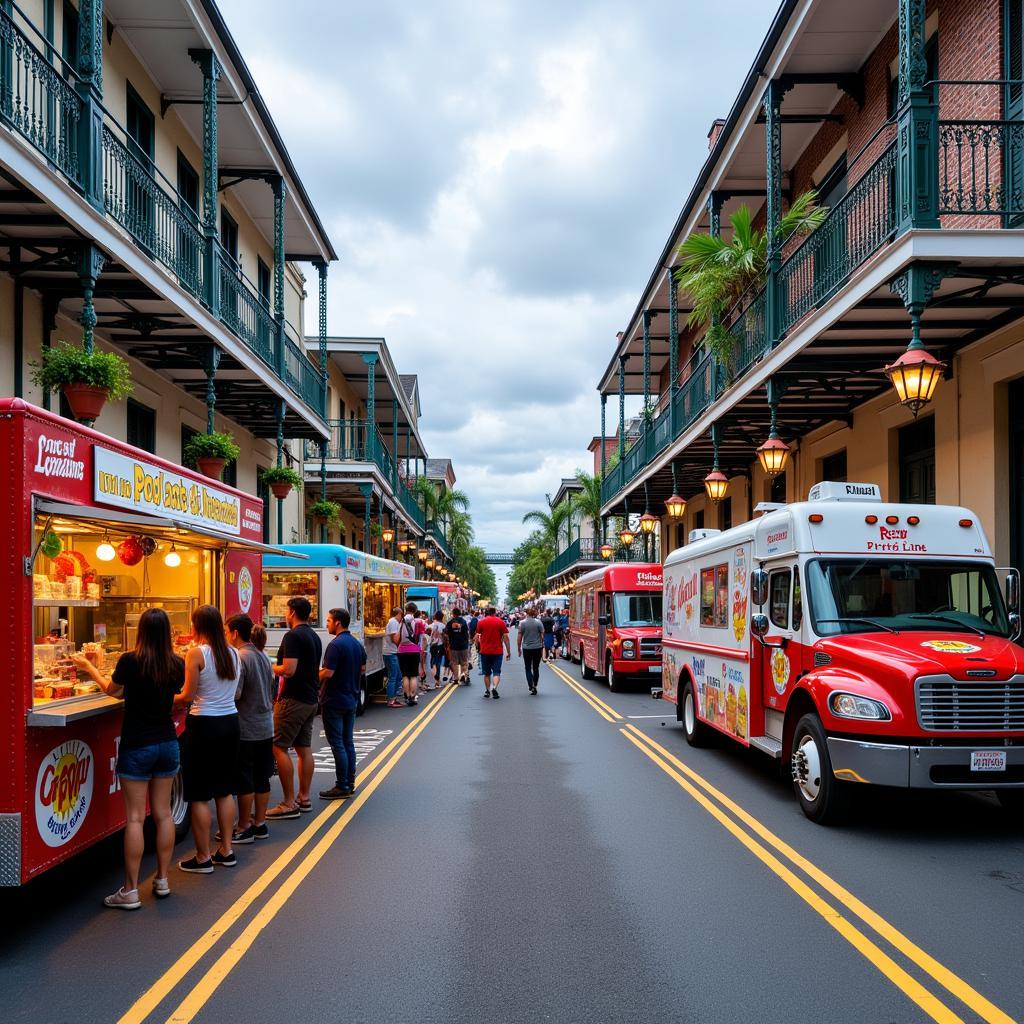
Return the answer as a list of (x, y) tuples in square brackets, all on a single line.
[(585, 695), (987, 1010), (366, 741), (228, 960), (607, 711), (909, 985), (164, 985), (662, 717)]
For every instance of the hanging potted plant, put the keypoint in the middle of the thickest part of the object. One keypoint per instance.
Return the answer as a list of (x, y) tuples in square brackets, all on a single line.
[(324, 511), (210, 453), (88, 380), (281, 480)]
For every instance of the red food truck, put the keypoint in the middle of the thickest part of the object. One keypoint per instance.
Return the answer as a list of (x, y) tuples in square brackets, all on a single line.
[(96, 532), (615, 617)]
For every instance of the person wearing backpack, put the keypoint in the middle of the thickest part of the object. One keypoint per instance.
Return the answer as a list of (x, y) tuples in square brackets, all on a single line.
[(409, 651)]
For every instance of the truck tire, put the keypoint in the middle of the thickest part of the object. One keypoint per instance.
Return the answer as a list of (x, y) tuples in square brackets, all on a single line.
[(697, 733), (179, 808), (616, 683), (822, 797), (585, 670), (361, 707)]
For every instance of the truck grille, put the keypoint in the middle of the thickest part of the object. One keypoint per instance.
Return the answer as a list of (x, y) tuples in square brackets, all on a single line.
[(949, 705), (650, 648)]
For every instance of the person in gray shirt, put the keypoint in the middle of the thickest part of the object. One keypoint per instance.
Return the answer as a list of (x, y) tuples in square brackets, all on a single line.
[(254, 699), (531, 647)]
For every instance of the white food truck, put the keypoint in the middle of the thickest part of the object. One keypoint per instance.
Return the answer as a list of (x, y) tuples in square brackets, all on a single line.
[(856, 640), (331, 576)]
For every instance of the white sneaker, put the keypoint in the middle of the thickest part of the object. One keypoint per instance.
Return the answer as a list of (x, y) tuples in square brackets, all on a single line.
[(122, 900), (161, 888)]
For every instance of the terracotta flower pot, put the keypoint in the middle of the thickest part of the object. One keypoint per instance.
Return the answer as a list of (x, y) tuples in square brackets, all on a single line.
[(211, 467), (85, 400), (281, 490)]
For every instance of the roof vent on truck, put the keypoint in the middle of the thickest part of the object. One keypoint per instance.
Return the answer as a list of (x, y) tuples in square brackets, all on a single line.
[(840, 490), (702, 534)]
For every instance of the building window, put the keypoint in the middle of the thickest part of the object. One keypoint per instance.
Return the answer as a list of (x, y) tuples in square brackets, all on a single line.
[(187, 433), (141, 426), (833, 467), (917, 462), (140, 127), (229, 237), (698, 520), (725, 516), (263, 281), (188, 185), (777, 491), (69, 49)]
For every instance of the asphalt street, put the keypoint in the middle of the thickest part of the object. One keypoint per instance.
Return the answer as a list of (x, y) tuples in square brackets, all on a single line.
[(565, 857)]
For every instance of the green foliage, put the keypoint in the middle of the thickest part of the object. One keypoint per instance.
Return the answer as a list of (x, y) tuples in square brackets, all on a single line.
[(67, 364), (716, 273), (210, 446), (329, 511), (587, 502), (530, 562), (280, 475)]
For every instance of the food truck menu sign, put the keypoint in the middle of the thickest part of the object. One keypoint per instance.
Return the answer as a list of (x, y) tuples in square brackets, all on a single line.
[(138, 486)]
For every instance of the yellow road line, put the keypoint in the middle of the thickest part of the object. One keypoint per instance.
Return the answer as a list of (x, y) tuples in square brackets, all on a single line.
[(581, 692), (208, 984), (164, 985), (607, 709), (909, 985), (969, 996)]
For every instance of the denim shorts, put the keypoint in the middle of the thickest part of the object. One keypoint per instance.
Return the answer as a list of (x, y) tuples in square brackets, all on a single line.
[(155, 761), (490, 664)]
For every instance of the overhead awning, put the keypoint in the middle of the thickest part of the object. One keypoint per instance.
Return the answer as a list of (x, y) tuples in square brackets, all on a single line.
[(159, 526)]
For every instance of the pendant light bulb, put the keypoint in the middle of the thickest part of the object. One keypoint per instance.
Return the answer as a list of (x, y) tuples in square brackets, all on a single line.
[(172, 559)]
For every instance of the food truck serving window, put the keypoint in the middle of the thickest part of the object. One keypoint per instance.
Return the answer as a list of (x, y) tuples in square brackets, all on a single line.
[(90, 585), (378, 600), (714, 595), (278, 587)]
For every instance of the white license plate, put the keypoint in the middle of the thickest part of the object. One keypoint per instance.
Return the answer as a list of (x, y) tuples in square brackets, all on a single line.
[(988, 760), (654, 668)]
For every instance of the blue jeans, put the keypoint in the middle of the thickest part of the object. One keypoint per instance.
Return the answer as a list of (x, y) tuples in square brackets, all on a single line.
[(339, 726), (394, 675)]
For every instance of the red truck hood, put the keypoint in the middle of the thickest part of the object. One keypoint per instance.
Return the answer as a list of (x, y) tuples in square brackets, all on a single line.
[(637, 632), (913, 654)]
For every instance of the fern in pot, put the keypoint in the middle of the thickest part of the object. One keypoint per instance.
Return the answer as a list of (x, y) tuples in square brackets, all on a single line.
[(210, 453), (88, 380), (281, 480)]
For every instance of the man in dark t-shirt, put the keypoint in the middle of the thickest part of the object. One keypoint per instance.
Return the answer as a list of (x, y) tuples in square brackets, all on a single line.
[(456, 639), (341, 677), (298, 665)]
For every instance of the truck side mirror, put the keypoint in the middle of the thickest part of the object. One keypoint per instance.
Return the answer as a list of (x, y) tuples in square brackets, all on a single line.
[(1013, 592), (759, 626), (759, 587), (602, 620)]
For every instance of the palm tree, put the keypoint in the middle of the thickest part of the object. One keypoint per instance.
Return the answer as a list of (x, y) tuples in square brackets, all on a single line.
[(460, 533), (716, 273), (587, 501), (551, 521)]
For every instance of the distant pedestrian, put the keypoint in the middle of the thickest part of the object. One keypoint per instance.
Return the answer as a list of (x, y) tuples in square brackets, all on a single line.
[(147, 754), (437, 659), (298, 665), (530, 642), (409, 650), (424, 647), (547, 620), (392, 637), (341, 678), (210, 750), (491, 640), (562, 633), (255, 703), (456, 635)]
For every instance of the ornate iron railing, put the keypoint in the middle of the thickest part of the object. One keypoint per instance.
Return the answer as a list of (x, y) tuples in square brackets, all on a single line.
[(855, 227), (245, 313), (981, 167), (588, 549), (303, 377), (158, 220), (38, 99), (750, 331)]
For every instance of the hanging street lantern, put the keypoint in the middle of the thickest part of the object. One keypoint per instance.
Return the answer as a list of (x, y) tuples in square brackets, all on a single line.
[(774, 453), (648, 523), (421, 554), (916, 374), (716, 483), (675, 506), (606, 551), (626, 536), (387, 535)]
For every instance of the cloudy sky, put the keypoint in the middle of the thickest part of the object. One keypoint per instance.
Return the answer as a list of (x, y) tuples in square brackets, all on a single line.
[(498, 179)]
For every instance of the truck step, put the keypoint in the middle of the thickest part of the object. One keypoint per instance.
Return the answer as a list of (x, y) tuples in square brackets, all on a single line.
[(773, 748)]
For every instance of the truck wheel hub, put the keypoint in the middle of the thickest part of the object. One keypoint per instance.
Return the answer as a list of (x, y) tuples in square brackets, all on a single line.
[(806, 766)]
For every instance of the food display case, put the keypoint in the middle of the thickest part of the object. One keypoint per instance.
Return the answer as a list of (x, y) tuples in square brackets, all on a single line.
[(95, 533)]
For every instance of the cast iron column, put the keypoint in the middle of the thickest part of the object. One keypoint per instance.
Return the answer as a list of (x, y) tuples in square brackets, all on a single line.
[(277, 183), (772, 104), (370, 358), (367, 492), (917, 178), (647, 362), (604, 460), (321, 270), (622, 408), (281, 409), (673, 347), (89, 86), (210, 67), (211, 360)]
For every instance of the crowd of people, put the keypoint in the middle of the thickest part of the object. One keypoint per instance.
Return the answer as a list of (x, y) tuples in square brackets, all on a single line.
[(245, 712)]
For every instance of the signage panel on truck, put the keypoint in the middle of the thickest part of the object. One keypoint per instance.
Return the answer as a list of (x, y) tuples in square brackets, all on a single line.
[(89, 552), (876, 650)]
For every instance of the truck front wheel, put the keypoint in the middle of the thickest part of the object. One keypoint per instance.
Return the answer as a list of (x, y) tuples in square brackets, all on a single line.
[(179, 808), (615, 681), (585, 670), (697, 733), (821, 796)]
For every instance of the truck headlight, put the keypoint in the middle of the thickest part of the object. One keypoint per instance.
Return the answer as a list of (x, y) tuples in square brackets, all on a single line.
[(849, 705), (628, 649)]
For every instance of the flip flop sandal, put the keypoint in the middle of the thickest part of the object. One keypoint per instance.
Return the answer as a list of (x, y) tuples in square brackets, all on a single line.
[(305, 806)]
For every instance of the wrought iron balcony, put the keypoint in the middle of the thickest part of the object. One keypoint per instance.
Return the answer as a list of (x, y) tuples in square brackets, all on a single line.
[(584, 550), (359, 441), (39, 102)]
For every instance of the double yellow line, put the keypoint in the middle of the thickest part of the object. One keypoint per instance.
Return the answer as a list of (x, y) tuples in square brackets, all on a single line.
[(774, 852), (221, 968), (606, 711)]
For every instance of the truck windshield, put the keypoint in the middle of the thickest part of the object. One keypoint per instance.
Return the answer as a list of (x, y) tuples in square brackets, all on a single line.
[(637, 609), (875, 594)]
